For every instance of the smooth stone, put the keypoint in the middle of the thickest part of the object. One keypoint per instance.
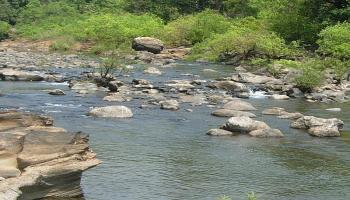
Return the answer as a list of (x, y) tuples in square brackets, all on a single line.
[(279, 97), (243, 125), (240, 105), (219, 132), (152, 70), (56, 92), (169, 105), (266, 133), (149, 44), (112, 112), (232, 113)]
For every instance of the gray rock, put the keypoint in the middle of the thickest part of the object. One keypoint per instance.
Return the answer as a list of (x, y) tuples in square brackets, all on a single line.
[(219, 132), (243, 125), (274, 111), (169, 105), (240, 105), (319, 127), (266, 133), (149, 44), (56, 92), (17, 75), (112, 112), (279, 97), (232, 113), (152, 70)]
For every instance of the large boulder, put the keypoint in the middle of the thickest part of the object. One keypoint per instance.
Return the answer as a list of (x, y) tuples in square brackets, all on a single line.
[(230, 86), (251, 78), (240, 105), (232, 113), (243, 125), (112, 112), (17, 75), (319, 127), (149, 44)]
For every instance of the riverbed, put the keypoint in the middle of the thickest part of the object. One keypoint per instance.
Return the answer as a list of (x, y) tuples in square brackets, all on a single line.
[(160, 154)]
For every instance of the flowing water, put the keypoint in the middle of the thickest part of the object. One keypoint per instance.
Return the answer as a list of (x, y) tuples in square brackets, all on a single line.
[(162, 154)]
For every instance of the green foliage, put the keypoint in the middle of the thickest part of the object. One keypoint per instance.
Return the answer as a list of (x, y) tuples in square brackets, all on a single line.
[(62, 44), (116, 30), (335, 41), (194, 29), (246, 39), (4, 30), (251, 196)]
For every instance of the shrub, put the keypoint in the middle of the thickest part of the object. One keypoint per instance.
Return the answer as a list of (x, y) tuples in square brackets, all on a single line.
[(62, 44), (246, 39), (4, 30), (312, 74), (116, 30), (335, 41), (193, 29)]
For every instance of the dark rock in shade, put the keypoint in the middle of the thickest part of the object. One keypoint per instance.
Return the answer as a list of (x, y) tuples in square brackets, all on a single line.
[(57, 92), (149, 44), (38, 160)]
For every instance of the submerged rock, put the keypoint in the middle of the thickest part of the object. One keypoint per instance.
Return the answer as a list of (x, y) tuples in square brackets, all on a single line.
[(112, 112), (169, 105), (40, 161), (219, 132), (240, 105), (152, 70), (265, 133), (56, 92), (232, 113), (149, 44), (319, 127)]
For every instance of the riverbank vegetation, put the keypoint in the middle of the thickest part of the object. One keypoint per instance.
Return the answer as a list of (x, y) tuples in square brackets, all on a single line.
[(309, 35)]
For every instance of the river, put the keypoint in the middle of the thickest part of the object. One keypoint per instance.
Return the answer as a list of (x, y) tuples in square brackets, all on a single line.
[(162, 154)]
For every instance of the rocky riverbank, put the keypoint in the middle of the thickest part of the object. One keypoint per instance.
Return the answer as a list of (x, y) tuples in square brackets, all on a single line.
[(38, 160)]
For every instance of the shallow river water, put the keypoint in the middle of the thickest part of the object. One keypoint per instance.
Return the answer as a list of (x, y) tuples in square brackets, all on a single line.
[(162, 154)]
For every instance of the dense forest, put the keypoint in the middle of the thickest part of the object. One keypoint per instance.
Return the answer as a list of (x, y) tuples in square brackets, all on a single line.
[(312, 35)]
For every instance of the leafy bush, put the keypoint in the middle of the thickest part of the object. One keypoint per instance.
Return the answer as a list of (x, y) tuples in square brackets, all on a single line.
[(115, 30), (246, 39), (4, 30), (335, 41), (193, 29)]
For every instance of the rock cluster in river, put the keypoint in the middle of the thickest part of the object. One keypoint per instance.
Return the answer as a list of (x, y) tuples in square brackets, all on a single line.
[(245, 125), (38, 160)]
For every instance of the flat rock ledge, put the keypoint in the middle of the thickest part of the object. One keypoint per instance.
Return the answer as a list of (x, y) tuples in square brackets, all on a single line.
[(38, 160)]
